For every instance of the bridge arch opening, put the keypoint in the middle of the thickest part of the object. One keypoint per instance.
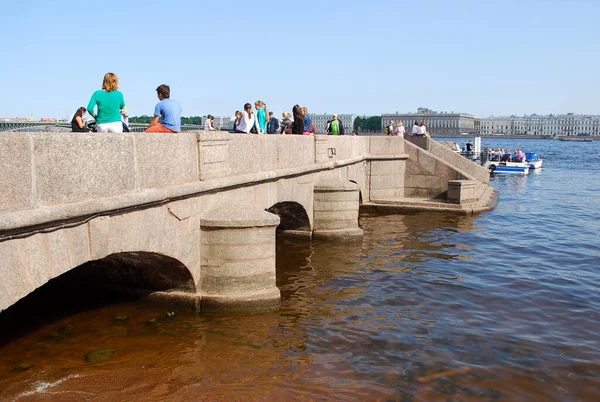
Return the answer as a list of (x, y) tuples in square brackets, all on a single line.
[(292, 216), (88, 287), (139, 270)]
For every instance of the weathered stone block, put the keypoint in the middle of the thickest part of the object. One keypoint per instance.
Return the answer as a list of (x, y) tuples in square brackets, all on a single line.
[(164, 160), (15, 172), (76, 166)]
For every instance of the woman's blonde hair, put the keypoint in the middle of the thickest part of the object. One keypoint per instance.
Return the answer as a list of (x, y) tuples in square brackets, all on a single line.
[(259, 103), (399, 123), (111, 82), (304, 111)]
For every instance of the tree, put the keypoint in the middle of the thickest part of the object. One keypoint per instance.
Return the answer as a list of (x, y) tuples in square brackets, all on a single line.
[(371, 124)]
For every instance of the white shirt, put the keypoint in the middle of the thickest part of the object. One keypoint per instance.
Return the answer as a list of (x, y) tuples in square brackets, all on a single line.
[(415, 129), (246, 122), (208, 126), (422, 130)]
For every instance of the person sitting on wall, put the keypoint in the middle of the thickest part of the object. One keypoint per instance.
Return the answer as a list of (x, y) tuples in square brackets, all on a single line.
[(456, 147), (78, 125), (169, 110), (209, 123)]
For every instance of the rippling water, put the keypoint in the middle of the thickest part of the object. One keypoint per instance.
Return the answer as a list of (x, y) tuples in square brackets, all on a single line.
[(509, 301)]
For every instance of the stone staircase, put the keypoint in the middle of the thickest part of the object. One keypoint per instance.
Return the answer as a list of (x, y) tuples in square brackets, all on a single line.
[(486, 199)]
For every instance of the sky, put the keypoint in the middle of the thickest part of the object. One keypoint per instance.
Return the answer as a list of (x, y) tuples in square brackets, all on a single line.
[(361, 57)]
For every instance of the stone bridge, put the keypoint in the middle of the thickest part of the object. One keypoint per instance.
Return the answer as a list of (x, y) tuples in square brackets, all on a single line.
[(192, 218)]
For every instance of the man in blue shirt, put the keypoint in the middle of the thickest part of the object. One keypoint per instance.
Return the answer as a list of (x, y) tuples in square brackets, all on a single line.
[(169, 110)]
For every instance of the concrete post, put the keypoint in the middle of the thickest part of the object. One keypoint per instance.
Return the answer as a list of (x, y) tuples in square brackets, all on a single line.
[(237, 255), (335, 209)]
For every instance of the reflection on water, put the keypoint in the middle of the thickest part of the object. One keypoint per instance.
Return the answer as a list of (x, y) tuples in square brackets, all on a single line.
[(506, 304)]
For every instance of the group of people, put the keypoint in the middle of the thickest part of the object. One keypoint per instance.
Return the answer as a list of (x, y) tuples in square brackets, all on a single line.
[(418, 129), (297, 122), (107, 107), (505, 155)]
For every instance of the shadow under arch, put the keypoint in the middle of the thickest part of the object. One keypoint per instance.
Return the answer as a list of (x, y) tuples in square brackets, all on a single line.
[(94, 284), (293, 216), (140, 270)]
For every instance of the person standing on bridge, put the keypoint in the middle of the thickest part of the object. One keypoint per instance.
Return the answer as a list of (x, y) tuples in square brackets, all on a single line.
[(261, 116), (400, 130), (298, 123), (247, 121), (169, 110), (335, 126), (273, 124), (109, 101)]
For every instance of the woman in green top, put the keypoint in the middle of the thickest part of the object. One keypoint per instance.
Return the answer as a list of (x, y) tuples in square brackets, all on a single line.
[(109, 102)]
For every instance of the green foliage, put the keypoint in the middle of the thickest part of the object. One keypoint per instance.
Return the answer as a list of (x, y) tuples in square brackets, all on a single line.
[(371, 124), (140, 119), (197, 120)]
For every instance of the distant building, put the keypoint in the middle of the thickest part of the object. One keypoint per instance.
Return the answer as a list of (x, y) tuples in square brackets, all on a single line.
[(320, 121), (548, 125), (222, 122), (48, 119), (437, 123)]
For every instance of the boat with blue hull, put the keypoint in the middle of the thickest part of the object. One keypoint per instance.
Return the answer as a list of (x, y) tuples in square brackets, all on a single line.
[(507, 167)]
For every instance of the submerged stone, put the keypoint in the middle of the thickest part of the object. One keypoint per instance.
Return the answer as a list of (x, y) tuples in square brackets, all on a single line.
[(153, 321), (68, 329), (100, 355), (38, 346), (121, 318), (23, 367)]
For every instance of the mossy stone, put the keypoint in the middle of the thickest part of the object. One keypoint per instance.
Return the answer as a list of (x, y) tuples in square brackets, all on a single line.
[(121, 318), (23, 367), (100, 355)]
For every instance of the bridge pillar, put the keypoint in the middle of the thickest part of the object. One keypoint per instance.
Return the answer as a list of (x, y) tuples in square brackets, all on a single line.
[(335, 208), (237, 255)]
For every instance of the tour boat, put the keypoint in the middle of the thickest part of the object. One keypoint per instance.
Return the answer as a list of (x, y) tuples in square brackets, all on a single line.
[(576, 139)]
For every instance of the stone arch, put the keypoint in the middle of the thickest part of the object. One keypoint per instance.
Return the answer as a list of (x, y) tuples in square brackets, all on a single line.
[(139, 270), (292, 216)]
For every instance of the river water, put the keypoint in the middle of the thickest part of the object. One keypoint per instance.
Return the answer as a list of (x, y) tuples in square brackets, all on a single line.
[(508, 301)]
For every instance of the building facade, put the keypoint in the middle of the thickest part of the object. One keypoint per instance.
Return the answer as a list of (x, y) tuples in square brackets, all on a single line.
[(550, 125), (437, 123), (320, 121)]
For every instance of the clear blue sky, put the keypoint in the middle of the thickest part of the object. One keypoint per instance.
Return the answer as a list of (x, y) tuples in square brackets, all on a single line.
[(363, 57)]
